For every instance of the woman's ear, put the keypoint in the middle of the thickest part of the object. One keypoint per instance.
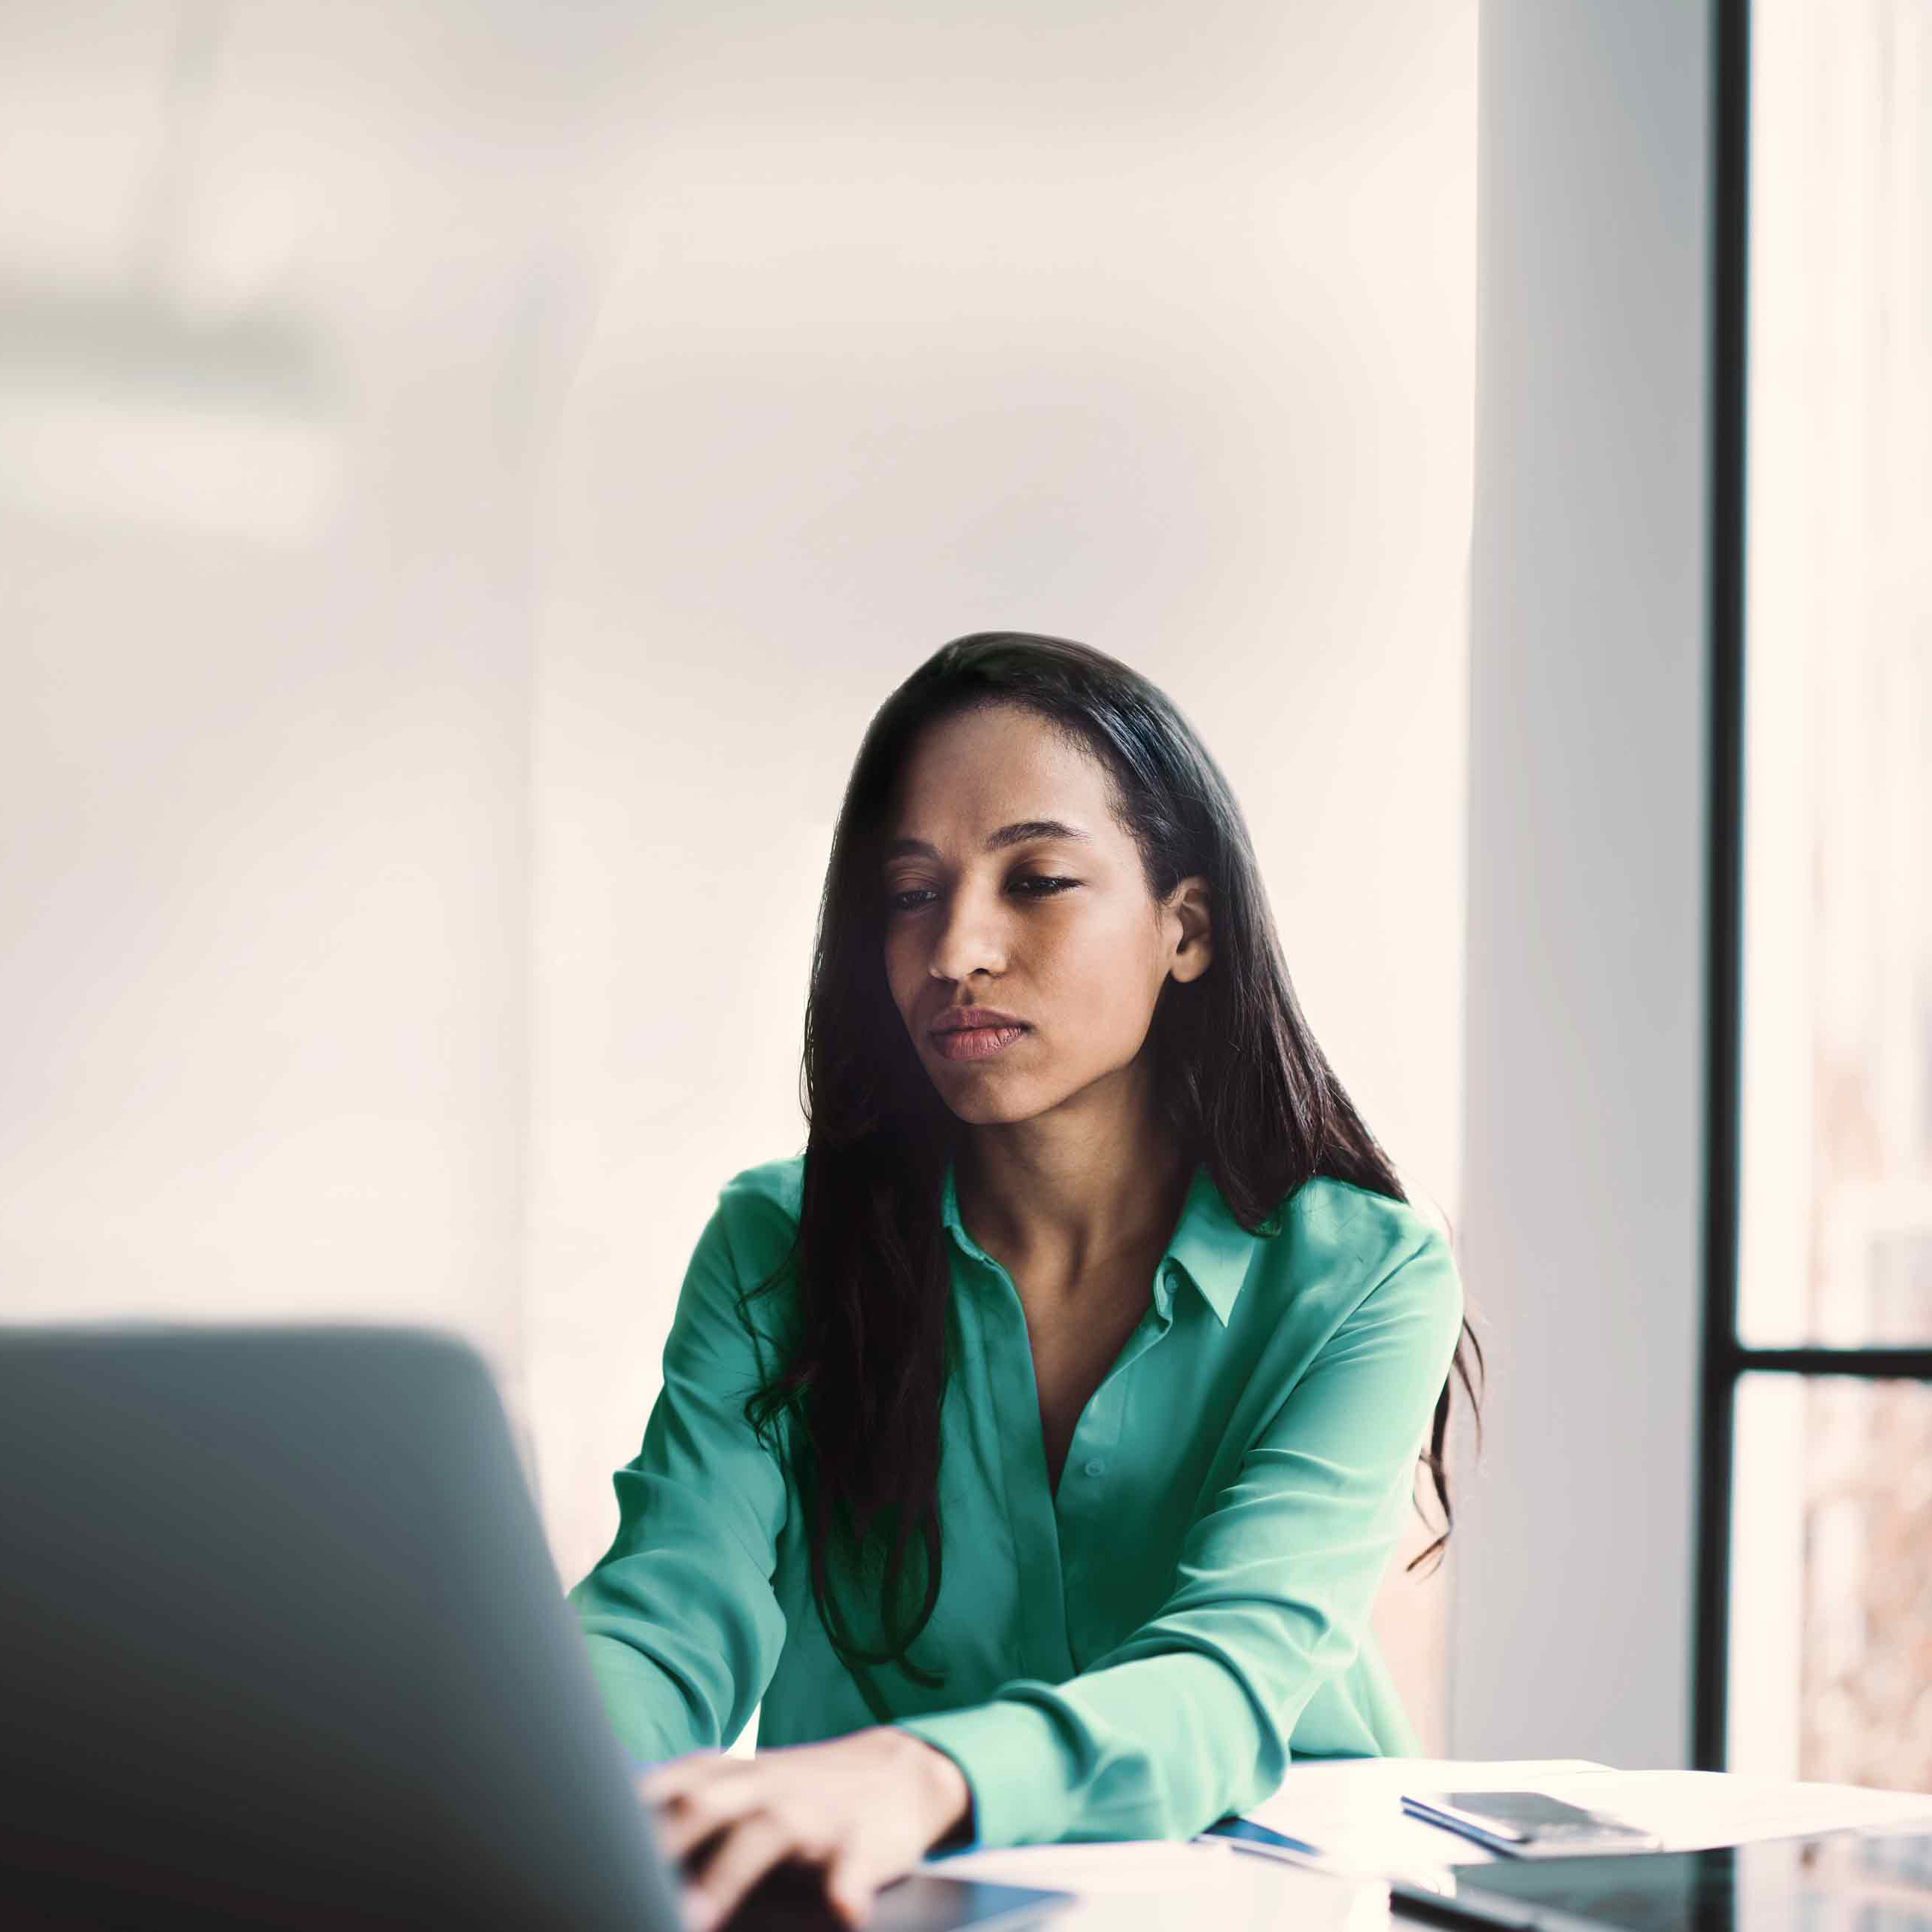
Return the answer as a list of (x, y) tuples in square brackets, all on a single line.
[(1187, 909)]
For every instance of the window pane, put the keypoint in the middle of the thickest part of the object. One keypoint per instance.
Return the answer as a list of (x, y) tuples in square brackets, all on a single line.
[(1830, 1606), (1836, 1227)]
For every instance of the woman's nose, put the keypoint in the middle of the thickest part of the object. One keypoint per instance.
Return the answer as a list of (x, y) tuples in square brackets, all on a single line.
[(968, 938)]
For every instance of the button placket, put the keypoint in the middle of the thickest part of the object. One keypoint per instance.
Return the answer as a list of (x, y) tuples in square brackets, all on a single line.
[(1049, 1524), (1088, 1498), (1031, 1505)]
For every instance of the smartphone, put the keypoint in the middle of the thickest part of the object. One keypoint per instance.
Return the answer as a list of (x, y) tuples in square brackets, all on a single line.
[(1527, 1824)]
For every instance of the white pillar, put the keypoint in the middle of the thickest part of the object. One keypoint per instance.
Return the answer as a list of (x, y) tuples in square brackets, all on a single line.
[(1571, 1629)]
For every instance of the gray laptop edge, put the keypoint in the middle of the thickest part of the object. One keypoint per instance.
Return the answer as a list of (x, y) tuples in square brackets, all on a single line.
[(281, 1644)]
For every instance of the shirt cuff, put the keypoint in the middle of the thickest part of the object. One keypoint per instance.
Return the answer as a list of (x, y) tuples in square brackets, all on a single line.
[(1015, 1764)]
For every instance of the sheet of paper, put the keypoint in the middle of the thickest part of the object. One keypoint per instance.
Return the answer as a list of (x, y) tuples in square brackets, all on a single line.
[(1163, 1885), (1352, 1810), (1691, 1809)]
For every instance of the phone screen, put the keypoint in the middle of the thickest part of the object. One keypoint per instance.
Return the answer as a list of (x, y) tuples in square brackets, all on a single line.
[(1525, 1810)]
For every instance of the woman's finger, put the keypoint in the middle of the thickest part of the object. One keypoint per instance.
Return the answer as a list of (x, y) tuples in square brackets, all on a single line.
[(684, 1821), (849, 1886), (680, 1774), (750, 1850)]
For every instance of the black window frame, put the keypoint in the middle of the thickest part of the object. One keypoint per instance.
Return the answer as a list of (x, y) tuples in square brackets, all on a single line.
[(1725, 1360)]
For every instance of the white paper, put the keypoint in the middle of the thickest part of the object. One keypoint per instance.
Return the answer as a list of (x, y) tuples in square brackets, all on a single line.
[(1691, 1809), (1165, 1884), (1351, 1809)]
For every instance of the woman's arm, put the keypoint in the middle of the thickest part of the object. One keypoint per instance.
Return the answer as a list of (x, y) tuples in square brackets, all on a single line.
[(1188, 1719), (683, 1628)]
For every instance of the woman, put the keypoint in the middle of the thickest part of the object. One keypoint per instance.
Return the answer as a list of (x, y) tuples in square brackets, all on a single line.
[(1034, 1443)]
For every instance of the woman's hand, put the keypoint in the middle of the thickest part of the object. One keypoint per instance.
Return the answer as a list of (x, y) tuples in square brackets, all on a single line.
[(865, 1808)]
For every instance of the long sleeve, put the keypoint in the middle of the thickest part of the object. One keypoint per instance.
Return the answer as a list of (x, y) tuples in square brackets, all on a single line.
[(682, 1625), (1188, 1719)]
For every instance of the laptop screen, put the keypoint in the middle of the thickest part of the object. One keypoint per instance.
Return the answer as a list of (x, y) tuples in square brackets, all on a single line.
[(1835, 1882)]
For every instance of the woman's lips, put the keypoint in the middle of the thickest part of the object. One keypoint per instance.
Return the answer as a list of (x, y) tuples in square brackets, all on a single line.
[(975, 1042)]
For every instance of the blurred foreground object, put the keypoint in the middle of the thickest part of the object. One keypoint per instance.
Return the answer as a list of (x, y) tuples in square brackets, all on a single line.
[(281, 1643)]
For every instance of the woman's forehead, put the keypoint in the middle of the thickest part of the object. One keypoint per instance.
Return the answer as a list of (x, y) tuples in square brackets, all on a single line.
[(984, 768)]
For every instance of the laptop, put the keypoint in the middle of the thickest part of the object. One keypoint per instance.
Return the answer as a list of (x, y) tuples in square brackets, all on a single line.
[(1856, 1880), (281, 1644)]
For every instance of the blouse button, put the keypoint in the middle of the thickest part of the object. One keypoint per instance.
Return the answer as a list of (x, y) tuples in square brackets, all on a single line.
[(1095, 1467)]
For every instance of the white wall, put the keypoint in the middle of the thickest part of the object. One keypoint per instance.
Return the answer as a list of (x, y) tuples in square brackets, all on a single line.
[(265, 642), (415, 784), (1583, 1157)]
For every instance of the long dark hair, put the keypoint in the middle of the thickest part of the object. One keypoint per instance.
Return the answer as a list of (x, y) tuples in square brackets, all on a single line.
[(1240, 1081)]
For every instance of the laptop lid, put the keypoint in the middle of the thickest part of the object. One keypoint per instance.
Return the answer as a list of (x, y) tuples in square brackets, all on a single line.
[(281, 1644)]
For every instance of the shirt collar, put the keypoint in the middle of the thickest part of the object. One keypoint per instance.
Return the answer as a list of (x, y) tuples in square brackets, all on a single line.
[(1210, 1248)]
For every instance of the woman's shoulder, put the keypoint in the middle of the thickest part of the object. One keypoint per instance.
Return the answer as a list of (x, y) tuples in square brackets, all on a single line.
[(761, 1206), (1354, 1239), (771, 1187), (1325, 1208), (750, 1235)]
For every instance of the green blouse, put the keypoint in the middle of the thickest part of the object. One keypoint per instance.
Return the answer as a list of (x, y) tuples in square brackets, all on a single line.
[(1132, 1655)]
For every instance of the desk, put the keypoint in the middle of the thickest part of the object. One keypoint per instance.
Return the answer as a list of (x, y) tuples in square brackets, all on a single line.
[(1351, 1809)]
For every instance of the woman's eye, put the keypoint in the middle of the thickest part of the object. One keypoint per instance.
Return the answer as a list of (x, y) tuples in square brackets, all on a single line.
[(908, 900)]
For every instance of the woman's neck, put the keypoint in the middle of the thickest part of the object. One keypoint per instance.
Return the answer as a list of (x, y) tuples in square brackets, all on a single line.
[(1066, 1207)]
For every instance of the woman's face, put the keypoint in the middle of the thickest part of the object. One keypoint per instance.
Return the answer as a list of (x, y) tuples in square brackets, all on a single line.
[(1054, 927)]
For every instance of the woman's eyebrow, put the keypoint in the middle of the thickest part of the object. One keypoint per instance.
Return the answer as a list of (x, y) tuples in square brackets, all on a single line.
[(1018, 833)]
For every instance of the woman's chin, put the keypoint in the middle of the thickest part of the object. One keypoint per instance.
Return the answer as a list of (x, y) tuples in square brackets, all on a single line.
[(981, 1105)]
